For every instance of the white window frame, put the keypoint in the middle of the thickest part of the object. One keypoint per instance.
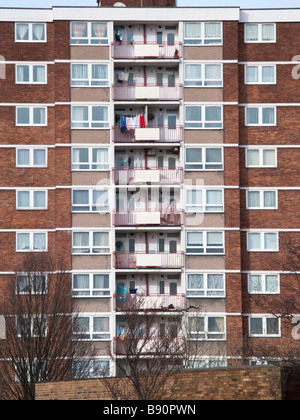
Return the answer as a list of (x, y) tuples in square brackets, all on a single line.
[(205, 246), (202, 124), (31, 116), (31, 241), (203, 208), (30, 285), (260, 71), (89, 366), (31, 200), (261, 200), (206, 292), (32, 318), (92, 208), (90, 247), (30, 32), (90, 79), (260, 40), (76, 40), (261, 151), (264, 319), (31, 157), (90, 333), (202, 40), (91, 291), (264, 290), (260, 116), (206, 335), (202, 81), (89, 121), (262, 242), (90, 162), (205, 165), (31, 81)]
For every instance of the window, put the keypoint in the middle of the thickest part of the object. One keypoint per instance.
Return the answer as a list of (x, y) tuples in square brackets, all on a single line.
[(31, 116), (203, 33), (266, 200), (31, 200), (88, 369), (260, 75), (91, 243), (91, 285), (263, 283), (208, 201), (31, 74), (206, 285), (203, 75), (261, 158), (260, 116), (89, 116), (260, 32), (205, 243), (33, 326), (262, 241), (30, 32), (89, 159), (33, 284), (266, 326), (90, 200), (203, 117), (92, 328), (31, 242), (206, 328), (89, 33), (89, 75), (26, 158), (204, 158)]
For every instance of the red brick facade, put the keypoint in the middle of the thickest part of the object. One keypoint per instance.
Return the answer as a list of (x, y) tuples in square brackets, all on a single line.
[(235, 138)]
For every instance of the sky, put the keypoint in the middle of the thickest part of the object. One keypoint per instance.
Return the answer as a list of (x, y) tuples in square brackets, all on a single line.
[(242, 3)]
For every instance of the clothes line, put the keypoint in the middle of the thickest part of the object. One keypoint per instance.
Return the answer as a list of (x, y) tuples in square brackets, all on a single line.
[(132, 122)]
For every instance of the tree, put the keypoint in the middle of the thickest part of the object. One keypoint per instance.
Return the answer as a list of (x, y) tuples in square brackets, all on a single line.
[(150, 351), (285, 306), (39, 313)]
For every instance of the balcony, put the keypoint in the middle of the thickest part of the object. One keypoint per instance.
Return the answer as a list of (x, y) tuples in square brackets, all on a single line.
[(154, 134), (123, 176), (152, 217), (141, 50), (161, 260), (149, 92), (151, 302), (154, 346)]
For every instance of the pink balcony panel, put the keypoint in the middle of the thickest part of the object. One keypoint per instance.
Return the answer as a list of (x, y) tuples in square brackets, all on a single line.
[(125, 176), (147, 50), (153, 134), (148, 218), (151, 260), (163, 92), (152, 302)]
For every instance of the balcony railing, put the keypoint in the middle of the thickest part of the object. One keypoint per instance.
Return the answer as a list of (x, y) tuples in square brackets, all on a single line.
[(164, 92), (153, 346), (146, 218), (152, 260), (153, 134), (123, 176), (147, 50), (151, 302)]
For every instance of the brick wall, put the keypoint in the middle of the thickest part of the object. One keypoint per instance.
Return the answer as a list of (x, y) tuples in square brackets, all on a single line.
[(238, 383)]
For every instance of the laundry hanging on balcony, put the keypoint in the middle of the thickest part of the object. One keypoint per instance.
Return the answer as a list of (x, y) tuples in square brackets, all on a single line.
[(131, 122)]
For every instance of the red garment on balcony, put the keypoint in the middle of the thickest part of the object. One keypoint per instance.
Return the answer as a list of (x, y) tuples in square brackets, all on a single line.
[(142, 121)]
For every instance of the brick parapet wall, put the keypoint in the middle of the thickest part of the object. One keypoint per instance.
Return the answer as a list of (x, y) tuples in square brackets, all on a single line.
[(236, 383)]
